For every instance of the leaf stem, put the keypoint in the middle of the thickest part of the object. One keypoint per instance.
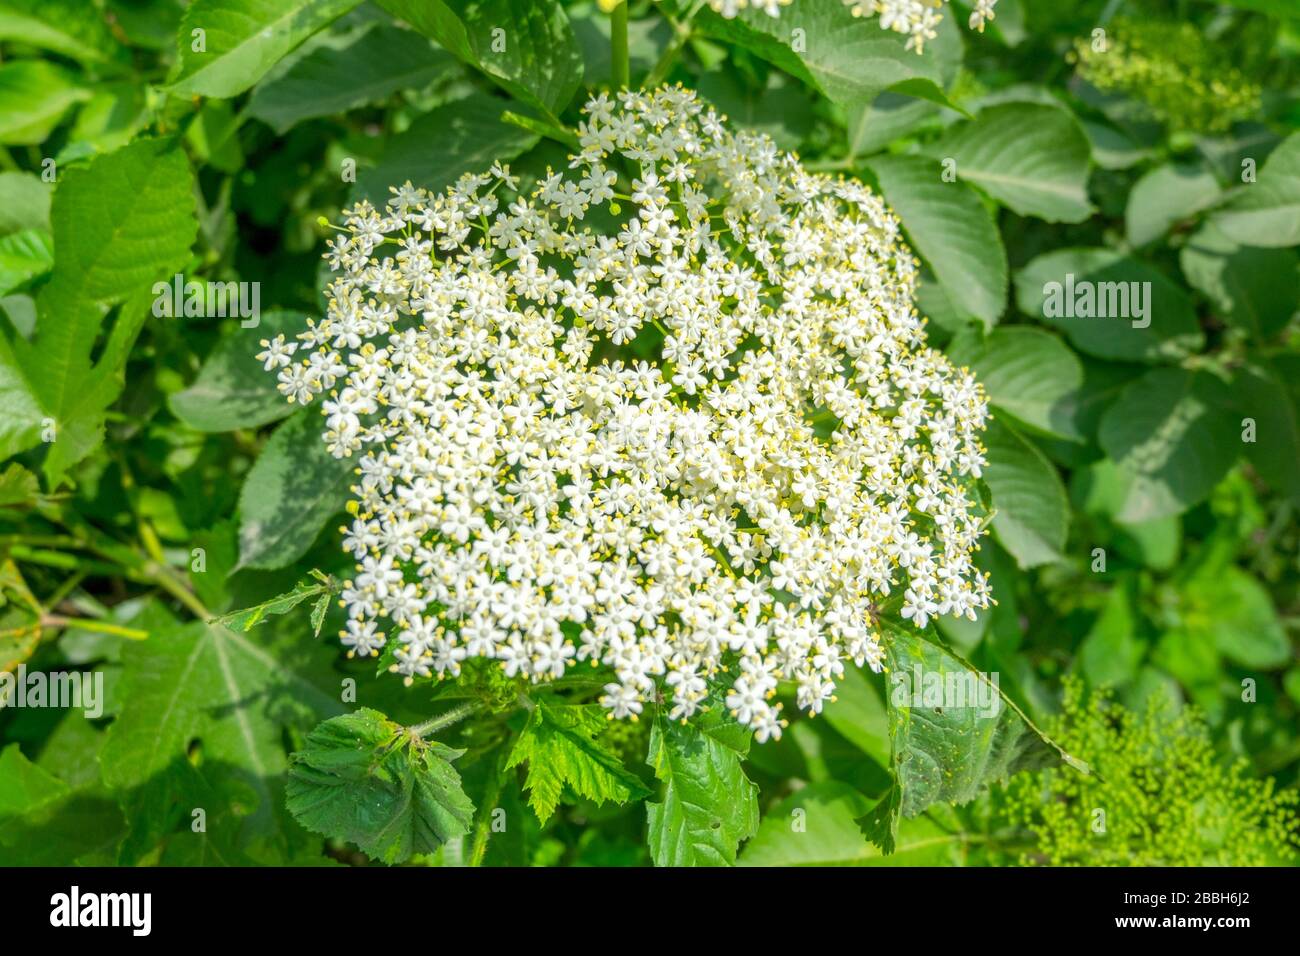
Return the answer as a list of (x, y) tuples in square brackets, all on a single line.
[(446, 719)]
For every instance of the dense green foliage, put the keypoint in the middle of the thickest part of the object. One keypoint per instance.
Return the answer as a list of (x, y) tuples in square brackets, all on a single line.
[(169, 525)]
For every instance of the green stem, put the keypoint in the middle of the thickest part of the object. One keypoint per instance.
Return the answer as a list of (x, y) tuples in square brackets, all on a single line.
[(620, 66), (90, 624), (488, 805), (446, 719)]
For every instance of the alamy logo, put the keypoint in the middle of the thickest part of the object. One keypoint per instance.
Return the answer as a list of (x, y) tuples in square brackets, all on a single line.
[(213, 300), (134, 910), (946, 690), (61, 689), (1085, 299)]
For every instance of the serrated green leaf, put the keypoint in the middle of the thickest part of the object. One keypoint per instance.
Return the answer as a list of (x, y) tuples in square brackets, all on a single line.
[(1164, 197), (290, 492), (1173, 432), (232, 389), (330, 80), (1032, 518), (1030, 157), (1267, 211), (707, 806), (34, 96), (954, 730), (247, 618), (850, 59), (1030, 374), (526, 47), (362, 778), (950, 228), (71, 27), (559, 744), (242, 40), (1255, 289), (119, 224), (1043, 291), (24, 256)]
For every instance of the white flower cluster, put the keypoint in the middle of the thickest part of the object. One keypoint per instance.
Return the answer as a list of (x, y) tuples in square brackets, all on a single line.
[(919, 19), (671, 412)]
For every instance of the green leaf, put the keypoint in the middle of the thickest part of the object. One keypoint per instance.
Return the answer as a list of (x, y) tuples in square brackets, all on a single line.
[(71, 27), (119, 223), (1031, 158), (204, 717), (1260, 392), (818, 826), (559, 743), (783, 112), (950, 228), (1032, 518), (1111, 652), (34, 96), (466, 135), (1255, 289), (24, 203), (1031, 375), (526, 47), (18, 487), (708, 806), (330, 80), (1267, 211), (242, 40), (1164, 197), (848, 58), (24, 256), (232, 389), (1172, 432), (954, 730), (362, 778), (25, 787), (1235, 613), (293, 488), (247, 618), (1059, 286)]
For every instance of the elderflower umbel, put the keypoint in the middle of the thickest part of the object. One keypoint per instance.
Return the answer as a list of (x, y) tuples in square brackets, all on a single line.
[(671, 413), (919, 19)]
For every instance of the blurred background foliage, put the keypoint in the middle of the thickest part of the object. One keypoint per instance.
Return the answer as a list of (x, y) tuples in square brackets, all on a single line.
[(1144, 557)]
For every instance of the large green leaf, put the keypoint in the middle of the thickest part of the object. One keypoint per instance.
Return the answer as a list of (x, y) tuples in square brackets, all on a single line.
[(466, 135), (232, 389), (202, 725), (1267, 211), (24, 202), (1032, 516), (1029, 374), (817, 826), (1032, 158), (73, 28), (120, 224), (1173, 432), (242, 40), (1166, 196), (559, 743), (374, 65), (950, 228), (290, 492), (1260, 391), (24, 256), (527, 47), (1230, 609), (848, 58), (1255, 289), (1166, 326), (34, 96), (954, 730), (707, 806), (362, 778)]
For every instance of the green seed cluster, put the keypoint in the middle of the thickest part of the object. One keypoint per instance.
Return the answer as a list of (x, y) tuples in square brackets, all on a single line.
[(1167, 799)]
